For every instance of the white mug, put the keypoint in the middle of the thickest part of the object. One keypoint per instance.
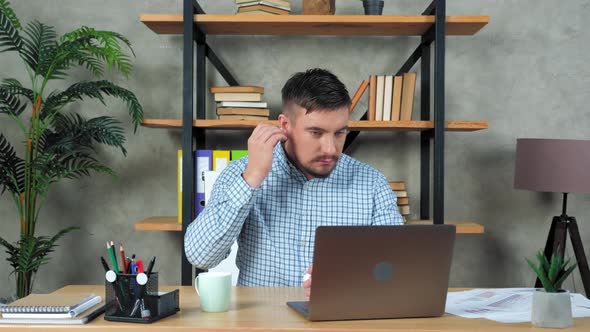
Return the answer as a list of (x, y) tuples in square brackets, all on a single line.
[(214, 290)]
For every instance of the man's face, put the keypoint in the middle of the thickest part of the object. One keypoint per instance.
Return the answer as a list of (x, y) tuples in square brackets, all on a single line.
[(315, 140)]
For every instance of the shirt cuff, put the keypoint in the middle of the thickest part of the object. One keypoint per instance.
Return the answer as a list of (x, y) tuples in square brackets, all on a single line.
[(240, 192)]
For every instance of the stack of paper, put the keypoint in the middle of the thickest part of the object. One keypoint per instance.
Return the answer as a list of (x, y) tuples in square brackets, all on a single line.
[(505, 305)]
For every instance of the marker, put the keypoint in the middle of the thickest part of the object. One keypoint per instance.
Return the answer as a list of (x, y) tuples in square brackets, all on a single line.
[(113, 258)]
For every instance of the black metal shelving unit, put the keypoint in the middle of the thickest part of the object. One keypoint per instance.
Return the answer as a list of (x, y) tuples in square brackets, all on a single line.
[(196, 50)]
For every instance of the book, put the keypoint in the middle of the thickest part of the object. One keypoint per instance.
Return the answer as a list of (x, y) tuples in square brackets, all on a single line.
[(179, 185), (403, 201), (237, 88), (238, 96), (84, 318), (397, 98), (387, 96), (257, 12), (220, 160), (358, 94), (204, 162), (379, 98), (404, 210), (397, 185), (263, 8), (409, 85), (242, 117), (245, 104), (243, 111), (46, 303), (285, 3), (237, 154), (76, 310), (265, 3), (400, 193), (372, 97), (210, 178)]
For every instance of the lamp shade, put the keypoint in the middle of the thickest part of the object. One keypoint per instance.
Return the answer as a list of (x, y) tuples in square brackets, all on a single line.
[(552, 165)]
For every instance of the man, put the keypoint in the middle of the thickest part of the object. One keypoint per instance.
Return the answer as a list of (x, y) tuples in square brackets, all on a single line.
[(294, 179)]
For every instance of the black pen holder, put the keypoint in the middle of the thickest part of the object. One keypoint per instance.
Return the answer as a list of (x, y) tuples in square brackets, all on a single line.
[(128, 301)]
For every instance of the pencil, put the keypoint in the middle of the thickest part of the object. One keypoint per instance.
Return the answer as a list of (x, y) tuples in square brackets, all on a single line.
[(123, 260)]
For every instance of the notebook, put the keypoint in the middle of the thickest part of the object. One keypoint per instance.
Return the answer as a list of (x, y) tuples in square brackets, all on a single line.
[(86, 317), (46, 303), (76, 310)]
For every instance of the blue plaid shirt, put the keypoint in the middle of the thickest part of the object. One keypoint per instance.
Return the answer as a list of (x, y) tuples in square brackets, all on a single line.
[(275, 223)]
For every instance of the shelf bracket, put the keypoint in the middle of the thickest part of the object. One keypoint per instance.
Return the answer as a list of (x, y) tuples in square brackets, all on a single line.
[(197, 7), (431, 9), (221, 68)]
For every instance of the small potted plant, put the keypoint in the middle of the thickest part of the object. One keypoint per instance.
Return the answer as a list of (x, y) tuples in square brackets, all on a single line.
[(552, 305)]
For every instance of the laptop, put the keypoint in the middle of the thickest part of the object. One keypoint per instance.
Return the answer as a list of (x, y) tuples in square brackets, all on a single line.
[(376, 272)]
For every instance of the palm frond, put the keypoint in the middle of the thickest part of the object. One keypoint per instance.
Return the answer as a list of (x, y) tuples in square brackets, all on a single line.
[(10, 102), (30, 252), (14, 87), (75, 167), (106, 130), (95, 90), (73, 131), (11, 168), (12, 252), (39, 41), (89, 48), (10, 39)]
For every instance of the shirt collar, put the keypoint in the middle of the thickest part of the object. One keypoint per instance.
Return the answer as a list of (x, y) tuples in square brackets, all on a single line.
[(281, 160), (280, 157)]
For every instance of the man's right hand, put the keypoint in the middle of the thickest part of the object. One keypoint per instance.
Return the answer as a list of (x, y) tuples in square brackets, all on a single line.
[(261, 146)]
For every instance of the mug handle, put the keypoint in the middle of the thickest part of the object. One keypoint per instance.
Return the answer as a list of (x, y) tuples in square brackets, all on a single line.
[(197, 285)]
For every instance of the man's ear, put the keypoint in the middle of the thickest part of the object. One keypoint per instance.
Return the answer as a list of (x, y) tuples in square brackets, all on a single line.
[(284, 123)]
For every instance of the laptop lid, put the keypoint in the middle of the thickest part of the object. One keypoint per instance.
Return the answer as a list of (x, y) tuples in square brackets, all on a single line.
[(366, 272)]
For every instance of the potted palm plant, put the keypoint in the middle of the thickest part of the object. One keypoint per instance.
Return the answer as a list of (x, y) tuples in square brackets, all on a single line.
[(58, 143), (552, 305)]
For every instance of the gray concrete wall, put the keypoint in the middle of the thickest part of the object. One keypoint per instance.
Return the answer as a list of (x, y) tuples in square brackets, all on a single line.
[(526, 73)]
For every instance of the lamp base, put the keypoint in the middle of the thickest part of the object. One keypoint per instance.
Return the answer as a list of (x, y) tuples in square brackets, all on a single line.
[(556, 244)]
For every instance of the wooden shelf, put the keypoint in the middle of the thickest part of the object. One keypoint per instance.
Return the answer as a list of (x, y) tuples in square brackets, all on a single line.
[(353, 125), (326, 25), (171, 224), (462, 227)]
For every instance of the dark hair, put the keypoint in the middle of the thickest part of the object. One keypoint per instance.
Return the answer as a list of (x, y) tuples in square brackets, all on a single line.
[(315, 89)]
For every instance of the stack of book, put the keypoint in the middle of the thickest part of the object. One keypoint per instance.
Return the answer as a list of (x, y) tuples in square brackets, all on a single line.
[(403, 201), (265, 7), (50, 309), (240, 103)]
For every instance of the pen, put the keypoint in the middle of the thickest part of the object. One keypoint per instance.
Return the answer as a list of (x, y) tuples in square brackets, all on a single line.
[(104, 264), (150, 266), (133, 266), (113, 257)]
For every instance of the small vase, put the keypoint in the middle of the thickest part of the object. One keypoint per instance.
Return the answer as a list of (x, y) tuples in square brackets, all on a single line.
[(319, 7), (373, 7), (552, 310)]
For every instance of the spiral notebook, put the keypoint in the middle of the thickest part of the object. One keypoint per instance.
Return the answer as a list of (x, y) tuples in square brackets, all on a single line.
[(83, 318), (47, 303)]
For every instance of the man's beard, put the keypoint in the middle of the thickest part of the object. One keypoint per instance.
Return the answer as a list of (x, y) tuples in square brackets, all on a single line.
[(315, 174)]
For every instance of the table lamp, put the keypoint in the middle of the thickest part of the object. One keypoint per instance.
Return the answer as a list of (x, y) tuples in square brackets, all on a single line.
[(562, 166)]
